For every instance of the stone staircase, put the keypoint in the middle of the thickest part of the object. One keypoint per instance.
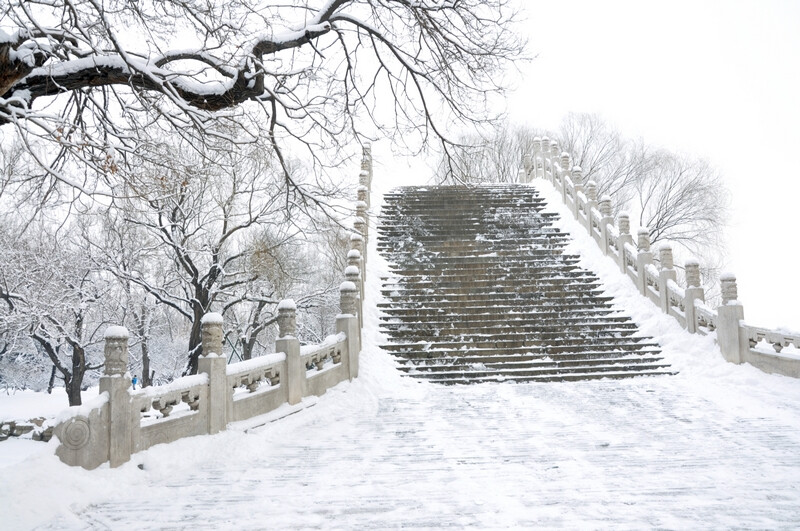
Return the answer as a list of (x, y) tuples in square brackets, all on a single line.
[(481, 290)]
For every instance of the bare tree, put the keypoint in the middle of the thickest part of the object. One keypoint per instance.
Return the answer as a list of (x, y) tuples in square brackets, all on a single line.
[(682, 200), (485, 158), (94, 78), (56, 297)]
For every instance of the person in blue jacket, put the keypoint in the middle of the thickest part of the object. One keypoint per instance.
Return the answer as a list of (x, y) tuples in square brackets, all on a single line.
[(134, 381)]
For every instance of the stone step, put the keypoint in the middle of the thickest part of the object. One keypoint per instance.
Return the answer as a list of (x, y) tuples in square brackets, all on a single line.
[(524, 360), (453, 379), (544, 369), (482, 290), (500, 346)]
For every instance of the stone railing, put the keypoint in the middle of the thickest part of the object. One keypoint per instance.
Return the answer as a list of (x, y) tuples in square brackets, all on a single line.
[(738, 341), (121, 421)]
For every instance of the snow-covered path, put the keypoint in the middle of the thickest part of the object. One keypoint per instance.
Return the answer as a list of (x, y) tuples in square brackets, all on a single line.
[(714, 447)]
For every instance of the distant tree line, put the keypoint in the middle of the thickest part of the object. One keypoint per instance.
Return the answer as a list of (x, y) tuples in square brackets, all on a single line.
[(680, 199)]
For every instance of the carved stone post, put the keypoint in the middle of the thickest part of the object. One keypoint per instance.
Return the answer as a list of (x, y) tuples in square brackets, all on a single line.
[(353, 274), (362, 193), (527, 168), (295, 377), (694, 291), (347, 322), (212, 362), (116, 381), (625, 238), (357, 243), (577, 180), (665, 274), (591, 203), (104, 432), (546, 159), (566, 167), (643, 259), (554, 152), (732, 339), (606, 219), (361, 213), (354, 259), (538, 160)]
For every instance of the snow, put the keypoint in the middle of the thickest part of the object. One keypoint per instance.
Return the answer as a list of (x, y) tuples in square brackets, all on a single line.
[(711, 447), (181, 384), (116, 332), (347, 286), (212, 318), (287, 304), (84, 410), (255, 363), (327, 342)]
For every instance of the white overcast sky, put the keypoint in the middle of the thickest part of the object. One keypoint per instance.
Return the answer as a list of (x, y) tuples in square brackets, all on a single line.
[(717, 79)]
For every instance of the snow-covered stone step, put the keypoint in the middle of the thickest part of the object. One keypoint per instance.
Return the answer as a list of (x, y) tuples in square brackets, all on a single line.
[(501, 362), (480, 277), (565, 376)]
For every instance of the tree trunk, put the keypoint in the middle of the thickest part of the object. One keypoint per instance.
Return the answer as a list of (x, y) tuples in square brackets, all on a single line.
[(52, 381), (195, 340), (74, 382)]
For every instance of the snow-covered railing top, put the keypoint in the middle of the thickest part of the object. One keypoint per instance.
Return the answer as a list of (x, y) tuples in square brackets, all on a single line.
[(770, 350), (124, 421)]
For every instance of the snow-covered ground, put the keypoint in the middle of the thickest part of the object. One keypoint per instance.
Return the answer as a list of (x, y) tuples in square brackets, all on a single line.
[(712, 447)]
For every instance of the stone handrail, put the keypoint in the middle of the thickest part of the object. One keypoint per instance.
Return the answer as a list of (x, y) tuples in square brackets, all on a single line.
[(122, 421), (738, 341)]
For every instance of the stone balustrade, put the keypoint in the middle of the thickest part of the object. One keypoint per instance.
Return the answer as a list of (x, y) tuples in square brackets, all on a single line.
[(121, 421), (770, 350)]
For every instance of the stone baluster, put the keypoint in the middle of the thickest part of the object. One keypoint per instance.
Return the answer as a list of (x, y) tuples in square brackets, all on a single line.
[(665, 274), (354, 259), (353, 274), (212, 362), (591, 203), (363, 194), (731, 336), (347, 322), (357, 243), (625, 238), (694, 291), (554, 152), (643, 259), (577, 180), (566, 171), (538, 161), (546, 168), (116, 381), (606, 220), (527, 165), (361, 214), (288, 344), (367, 156)]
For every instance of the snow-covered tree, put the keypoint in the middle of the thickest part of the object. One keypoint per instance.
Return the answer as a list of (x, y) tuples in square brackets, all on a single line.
[(94, 78)]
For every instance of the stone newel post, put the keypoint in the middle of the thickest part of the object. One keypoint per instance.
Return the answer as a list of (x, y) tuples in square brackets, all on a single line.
[(591, 203), (212, 362), (116, 381), (731, 336), (577, 180), (353, 274), (295, 378), (347, 322), (693, 292), (527, 164), (643, 259), (665, 274), (606, 219), (625, 238)]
